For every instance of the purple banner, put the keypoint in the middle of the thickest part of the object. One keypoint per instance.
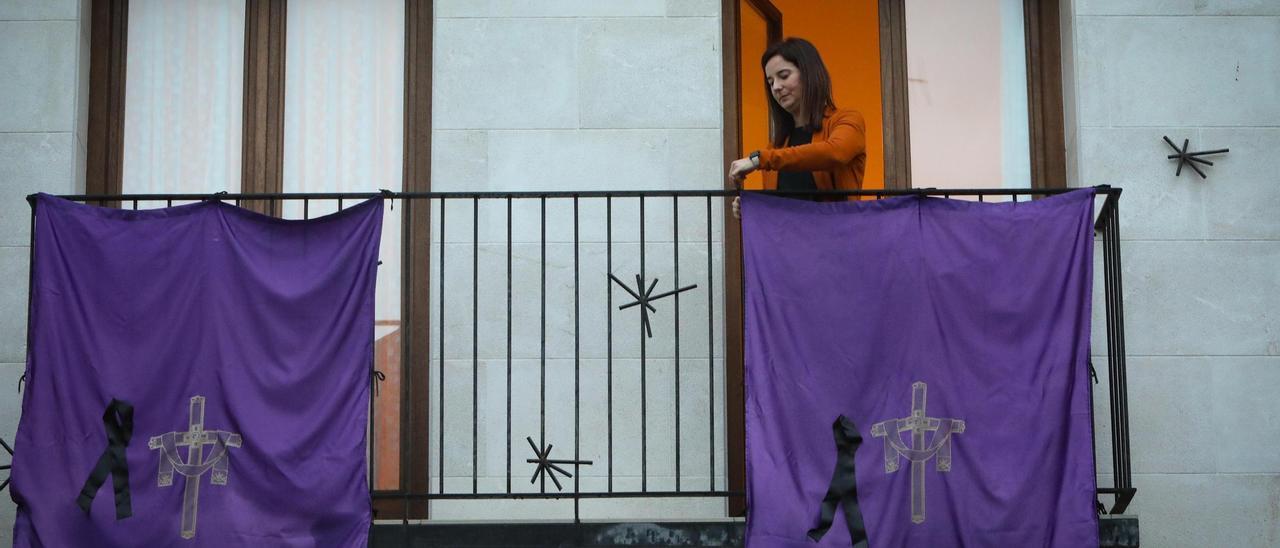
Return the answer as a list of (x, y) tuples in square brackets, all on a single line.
[(210, 366), (954, 336)]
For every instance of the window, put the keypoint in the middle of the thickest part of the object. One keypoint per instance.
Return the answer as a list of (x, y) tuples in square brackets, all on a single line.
[(265, 96), (182, 114)]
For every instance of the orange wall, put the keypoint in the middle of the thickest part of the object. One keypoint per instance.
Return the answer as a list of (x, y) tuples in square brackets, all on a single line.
[(847, 34)]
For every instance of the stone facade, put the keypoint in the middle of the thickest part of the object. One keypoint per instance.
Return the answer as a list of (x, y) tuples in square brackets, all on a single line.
[(581, 94), (44, 72), (1201, 257)]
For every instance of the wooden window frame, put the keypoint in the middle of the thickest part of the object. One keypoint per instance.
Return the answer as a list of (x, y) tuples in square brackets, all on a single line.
[(108, 43), (262, 171), (1048, 165), (262, 134)]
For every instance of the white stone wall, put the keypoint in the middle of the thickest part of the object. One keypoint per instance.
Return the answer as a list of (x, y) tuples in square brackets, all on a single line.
[(44, 71), (578, 95), (1201, 257)]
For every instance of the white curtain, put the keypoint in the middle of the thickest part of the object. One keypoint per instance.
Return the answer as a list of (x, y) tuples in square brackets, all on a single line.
[(344, 115), (967, 94), (184, 89)]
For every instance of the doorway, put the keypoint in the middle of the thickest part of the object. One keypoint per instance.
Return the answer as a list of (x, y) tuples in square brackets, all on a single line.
[(847, 34)]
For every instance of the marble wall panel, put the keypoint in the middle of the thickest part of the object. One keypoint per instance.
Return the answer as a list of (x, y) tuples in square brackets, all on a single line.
[(505, 73), (30, 163), (39, 10), (1155, 204), (13, 300), (650, 73), (1179, 71), (1242, 200), (693, 8), (39, 91), (1177, 7), (611, 159), (549, 8), (1201, 298), (1238, 200), (1196, 510)]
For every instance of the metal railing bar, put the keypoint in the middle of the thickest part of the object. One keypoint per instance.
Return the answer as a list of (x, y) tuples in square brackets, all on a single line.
[(711, 353), (554, 495), (542, 352), (577, 363), (608, 221), (1113, 385), (509, 295), (475, 343), (1120, 348), (443, 207), (1121, 401), (1101, 189), (675, 250), (644, 400)]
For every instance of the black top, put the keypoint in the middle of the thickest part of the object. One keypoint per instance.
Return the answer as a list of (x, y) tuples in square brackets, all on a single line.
[(797, 180)]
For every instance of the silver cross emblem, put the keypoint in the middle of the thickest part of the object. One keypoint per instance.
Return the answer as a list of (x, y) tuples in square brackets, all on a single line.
[(196, 463), (918, 453)]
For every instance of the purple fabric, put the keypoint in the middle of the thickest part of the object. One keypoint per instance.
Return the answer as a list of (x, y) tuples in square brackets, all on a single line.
[(848, 305), (271, 321)]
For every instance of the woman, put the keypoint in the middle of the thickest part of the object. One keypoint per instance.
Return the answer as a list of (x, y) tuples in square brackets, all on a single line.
[(813, 144)]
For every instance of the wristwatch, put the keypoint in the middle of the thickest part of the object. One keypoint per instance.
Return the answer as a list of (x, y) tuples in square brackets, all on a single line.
[(755, 158)]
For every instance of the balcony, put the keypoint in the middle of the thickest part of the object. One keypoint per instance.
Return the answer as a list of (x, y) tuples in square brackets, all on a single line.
[(569, 364)]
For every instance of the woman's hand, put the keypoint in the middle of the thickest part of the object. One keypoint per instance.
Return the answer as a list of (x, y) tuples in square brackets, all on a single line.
[(739, 169)]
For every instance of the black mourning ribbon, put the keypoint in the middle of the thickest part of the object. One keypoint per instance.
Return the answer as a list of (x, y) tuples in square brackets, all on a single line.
[(118, 421), (844, 488)]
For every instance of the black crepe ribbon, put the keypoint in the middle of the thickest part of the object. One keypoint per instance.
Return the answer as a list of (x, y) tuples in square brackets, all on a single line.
[(844, 488), (118, 421)]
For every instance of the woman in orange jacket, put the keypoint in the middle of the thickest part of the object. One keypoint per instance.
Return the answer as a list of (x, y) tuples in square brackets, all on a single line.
[(813, 145)]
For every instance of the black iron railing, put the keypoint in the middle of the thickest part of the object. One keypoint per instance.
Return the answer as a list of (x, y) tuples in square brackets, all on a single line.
[(703, 214)]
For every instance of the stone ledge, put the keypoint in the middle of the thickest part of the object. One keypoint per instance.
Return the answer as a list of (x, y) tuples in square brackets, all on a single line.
[(1115, 531)]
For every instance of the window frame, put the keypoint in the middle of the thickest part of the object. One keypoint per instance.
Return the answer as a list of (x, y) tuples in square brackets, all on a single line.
[(262, 171)]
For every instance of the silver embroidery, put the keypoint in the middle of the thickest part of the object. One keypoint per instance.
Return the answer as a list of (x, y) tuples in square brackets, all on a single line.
[(197, 463), (918, 453)]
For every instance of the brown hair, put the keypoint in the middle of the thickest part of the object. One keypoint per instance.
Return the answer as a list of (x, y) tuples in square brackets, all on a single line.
[(817, 88)]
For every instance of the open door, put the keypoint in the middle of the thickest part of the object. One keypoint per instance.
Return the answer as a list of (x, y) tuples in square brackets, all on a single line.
[(847, 34)]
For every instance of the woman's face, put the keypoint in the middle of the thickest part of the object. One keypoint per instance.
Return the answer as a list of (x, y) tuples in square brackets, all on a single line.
[(785, 84)]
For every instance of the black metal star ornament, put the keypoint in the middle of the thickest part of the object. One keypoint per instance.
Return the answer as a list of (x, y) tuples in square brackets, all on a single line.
[(1191, 158), (7, 466), (547, 466), (645, 296)]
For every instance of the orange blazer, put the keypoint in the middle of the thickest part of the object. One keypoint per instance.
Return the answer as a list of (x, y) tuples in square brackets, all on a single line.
[(837, 156)]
